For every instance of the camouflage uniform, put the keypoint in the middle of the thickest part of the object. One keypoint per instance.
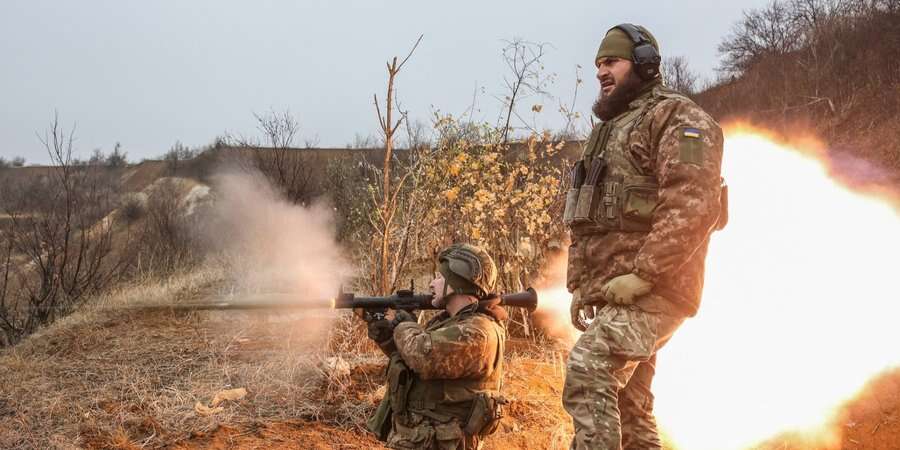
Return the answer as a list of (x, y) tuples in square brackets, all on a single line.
[(663, 176), (437, 372)]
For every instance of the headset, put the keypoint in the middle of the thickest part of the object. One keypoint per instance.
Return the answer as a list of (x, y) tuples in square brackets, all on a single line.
[(645, 57)]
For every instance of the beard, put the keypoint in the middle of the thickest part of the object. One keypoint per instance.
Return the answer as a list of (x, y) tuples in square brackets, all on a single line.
[(609, 106)]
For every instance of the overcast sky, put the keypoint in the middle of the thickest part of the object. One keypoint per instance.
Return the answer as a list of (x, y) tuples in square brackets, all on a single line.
[(147, 74)]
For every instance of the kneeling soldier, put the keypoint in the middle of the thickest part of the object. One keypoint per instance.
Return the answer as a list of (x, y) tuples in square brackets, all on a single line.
[(443, 379)]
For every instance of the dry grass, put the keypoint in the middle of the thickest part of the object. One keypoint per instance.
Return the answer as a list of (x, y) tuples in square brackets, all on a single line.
[(108, 377), (62, 383), (535, 415), (113, 377)]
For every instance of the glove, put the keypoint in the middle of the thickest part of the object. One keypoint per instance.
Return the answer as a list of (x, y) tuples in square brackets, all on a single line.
[(381, 331), (580, 311), (402, 315), (624, 289)]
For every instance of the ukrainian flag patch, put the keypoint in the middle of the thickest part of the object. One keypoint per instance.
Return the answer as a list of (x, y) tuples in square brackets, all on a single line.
[(691, 149), (691, 133)]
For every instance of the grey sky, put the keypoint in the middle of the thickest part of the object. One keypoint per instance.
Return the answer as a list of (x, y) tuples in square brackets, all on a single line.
[(149, 73)]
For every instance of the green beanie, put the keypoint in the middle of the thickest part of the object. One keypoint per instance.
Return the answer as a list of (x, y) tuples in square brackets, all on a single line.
[(617, 44)]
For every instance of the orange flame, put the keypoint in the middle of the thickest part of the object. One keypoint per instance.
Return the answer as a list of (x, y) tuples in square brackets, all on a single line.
[(799, 308)]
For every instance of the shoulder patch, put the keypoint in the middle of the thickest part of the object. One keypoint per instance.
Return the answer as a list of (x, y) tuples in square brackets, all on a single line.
[(692, 133), (691, 146)]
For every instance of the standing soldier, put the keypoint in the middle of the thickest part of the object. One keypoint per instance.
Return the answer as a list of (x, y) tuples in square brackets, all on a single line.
[(443, 379), (644, 199)]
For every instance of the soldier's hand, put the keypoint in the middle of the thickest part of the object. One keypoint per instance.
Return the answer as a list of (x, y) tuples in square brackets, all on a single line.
[(624, 289), (403, 315), (578, 308), (381, 330)]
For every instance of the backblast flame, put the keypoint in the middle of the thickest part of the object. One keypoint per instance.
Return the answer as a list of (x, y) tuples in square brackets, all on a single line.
[(799, 308)]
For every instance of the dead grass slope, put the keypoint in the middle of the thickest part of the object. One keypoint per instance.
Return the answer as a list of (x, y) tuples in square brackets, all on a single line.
[(108, 377), (112, 377), (132, 379)]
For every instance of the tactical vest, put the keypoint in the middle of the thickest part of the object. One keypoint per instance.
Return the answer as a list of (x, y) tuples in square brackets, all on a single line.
[(608, 190), (475, 403), (446, 399)]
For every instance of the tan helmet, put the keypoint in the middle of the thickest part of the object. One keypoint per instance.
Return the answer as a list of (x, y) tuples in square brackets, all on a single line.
[(468, 269)]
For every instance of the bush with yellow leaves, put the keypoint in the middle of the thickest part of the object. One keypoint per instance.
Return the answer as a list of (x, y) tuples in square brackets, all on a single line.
[(502, 197)]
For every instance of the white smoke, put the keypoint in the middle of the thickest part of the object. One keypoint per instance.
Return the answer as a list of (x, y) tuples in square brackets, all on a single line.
[(272, 245)]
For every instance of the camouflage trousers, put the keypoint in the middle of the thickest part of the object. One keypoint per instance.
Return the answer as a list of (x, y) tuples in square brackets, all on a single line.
[(415, 431), (608, 377)]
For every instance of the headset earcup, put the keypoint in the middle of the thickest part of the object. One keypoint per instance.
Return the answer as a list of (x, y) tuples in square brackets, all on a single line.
[(646, 61), (645, 57), (648, 71)]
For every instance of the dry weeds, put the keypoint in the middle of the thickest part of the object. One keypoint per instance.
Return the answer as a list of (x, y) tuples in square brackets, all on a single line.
[(108, 377), (113, 377)]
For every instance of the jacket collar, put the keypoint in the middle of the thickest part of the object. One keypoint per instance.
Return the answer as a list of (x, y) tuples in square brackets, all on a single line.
[(644, 94)]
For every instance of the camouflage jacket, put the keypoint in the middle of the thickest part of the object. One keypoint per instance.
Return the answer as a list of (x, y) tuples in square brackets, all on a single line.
[(667, 138), (465, 346), (438, 371)]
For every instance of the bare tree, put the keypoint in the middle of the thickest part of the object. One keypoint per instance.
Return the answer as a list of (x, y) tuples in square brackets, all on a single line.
[(276, 156), (168, 237), (58, 240), (678, 75), (176, 156), (770, 31), (118, 158), (417, 135), (389, 194), (311, 142), (523, 58), (570, 130), (279, 129)]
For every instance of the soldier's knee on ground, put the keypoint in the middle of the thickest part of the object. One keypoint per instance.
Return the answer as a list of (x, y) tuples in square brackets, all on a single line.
[(419, 432)]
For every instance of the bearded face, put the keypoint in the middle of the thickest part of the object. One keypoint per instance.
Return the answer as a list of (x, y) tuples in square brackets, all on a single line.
[(619, 85)]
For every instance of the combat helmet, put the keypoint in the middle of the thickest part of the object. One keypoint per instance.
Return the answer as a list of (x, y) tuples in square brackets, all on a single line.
[(468, 269)]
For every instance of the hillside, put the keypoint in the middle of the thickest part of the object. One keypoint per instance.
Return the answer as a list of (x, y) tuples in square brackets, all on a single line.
[(828, 69)]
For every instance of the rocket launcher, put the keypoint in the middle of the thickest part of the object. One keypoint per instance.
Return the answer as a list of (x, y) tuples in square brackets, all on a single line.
[(376, 307)]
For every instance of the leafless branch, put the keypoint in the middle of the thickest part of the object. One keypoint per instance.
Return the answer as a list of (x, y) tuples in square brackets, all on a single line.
[(413, 49), (523, 59)]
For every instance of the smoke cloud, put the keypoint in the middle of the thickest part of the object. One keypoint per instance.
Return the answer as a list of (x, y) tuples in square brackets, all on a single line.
[(273, 246)]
